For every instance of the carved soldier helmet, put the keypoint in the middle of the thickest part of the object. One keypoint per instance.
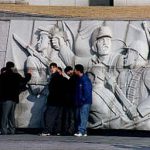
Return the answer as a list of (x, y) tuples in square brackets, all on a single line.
[(44, 30), (141, 47), (58, 32), (103, 31)]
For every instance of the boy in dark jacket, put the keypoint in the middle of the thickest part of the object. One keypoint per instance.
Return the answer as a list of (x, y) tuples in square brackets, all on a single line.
[(11, 84), (55, 102), (83, 100)]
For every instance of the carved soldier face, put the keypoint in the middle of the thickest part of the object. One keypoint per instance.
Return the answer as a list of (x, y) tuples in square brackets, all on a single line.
[(103, 46), (43, 42), (130, 58)]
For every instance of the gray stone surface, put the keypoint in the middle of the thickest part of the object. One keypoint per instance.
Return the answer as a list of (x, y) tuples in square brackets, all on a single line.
[(2, 59), (7, 1), (131, 2), (37, 2), (120, 2), (82, 3), (116, 45), (71, 2), (35, 142), (4, 31), (14, 1), (63, 3), (24, 30), (60, 2)]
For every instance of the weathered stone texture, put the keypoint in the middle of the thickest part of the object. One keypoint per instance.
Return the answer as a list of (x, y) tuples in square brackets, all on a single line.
[(131, 2), (14, 1), (2, 59), (4, 30)]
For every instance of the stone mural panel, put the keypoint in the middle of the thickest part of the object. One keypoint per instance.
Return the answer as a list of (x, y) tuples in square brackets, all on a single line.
[(2, 58), (114, 54), (4, 30), (13, 51)]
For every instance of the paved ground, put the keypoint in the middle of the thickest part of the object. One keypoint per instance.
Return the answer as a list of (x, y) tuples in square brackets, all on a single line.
[(35, 142)]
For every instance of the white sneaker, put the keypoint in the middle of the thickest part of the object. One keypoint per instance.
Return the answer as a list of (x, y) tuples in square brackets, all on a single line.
[(78, 134), (45, 134), (84, 134)]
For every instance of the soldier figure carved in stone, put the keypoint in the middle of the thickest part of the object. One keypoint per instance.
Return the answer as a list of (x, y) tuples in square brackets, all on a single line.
[(134, 84)]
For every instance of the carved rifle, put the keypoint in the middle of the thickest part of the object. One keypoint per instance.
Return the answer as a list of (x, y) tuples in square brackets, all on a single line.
[(129, 107)]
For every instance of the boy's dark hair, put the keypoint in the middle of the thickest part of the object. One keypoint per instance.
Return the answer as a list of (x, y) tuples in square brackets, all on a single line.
[(9, 65), (79, 67), (60, 69), (53, 65), (68, 68)]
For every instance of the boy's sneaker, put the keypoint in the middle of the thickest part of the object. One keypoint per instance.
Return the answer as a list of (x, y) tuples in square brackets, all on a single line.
[(45, 134), (58, 134), (80, 134), (84, 134)]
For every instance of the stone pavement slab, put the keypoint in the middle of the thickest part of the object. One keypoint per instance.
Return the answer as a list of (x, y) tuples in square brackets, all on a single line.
[(36, 142)]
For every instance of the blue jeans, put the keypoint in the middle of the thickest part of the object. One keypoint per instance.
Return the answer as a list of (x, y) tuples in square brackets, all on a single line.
[(82, 115), (8, 119)]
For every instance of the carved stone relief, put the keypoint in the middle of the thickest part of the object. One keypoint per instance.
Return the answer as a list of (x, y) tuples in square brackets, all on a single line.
[(114, 53)]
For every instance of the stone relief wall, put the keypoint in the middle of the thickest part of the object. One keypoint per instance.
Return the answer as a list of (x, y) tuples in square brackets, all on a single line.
[(114, 53)]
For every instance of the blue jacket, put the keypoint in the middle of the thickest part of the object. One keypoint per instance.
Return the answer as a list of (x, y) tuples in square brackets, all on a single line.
[(83, 93)]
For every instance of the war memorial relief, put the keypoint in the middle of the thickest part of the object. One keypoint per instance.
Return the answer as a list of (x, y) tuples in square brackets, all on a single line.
[(115, 54)]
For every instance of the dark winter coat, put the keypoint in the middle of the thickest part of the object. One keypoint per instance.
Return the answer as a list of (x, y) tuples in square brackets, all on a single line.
[(11, 84), (72, 90), (57, 90)]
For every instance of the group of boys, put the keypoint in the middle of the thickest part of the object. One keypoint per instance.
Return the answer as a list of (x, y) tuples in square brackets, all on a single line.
[(68, 102)]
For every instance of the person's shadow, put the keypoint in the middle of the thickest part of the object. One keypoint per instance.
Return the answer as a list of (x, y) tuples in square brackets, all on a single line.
[(37, 110)]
